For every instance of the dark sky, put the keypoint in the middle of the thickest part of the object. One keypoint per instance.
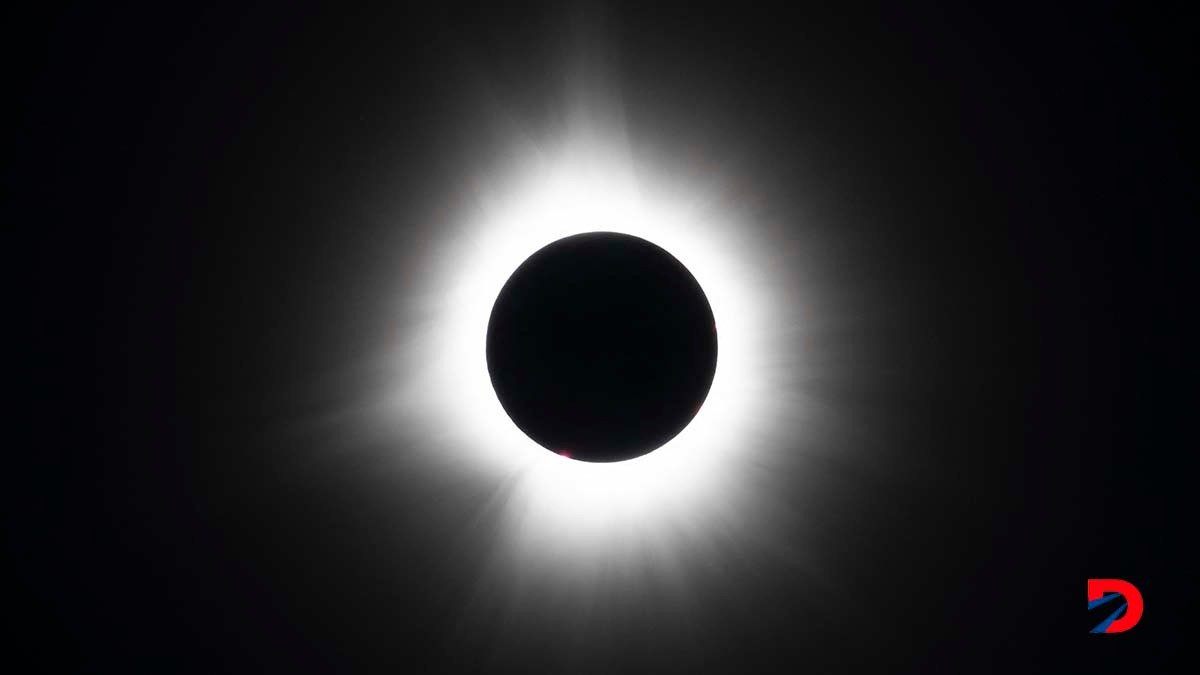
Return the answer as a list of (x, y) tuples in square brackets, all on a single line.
[(210, 208)]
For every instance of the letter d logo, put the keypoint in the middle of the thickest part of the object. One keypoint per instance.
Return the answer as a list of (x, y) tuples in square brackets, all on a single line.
[(1120, 595)]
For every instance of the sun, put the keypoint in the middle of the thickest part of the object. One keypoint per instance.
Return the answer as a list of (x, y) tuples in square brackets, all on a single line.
[(573, 504)]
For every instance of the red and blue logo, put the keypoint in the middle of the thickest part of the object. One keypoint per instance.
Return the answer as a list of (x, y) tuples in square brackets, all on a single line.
[(1123, 599)]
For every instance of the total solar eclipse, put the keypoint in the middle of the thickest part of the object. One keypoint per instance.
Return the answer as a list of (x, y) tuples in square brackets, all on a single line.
[(601, 347)]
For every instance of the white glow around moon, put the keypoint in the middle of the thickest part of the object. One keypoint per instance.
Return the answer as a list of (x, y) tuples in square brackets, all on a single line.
[(560, 533), (557, 504)]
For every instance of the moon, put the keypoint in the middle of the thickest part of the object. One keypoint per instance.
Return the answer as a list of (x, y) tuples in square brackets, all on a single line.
[(601, 347)]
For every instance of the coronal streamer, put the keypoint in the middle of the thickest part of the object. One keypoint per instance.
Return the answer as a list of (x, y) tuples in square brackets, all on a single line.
[(562, 531)]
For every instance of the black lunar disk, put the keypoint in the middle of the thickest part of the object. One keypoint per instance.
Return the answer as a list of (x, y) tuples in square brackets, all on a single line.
[(601, 347)]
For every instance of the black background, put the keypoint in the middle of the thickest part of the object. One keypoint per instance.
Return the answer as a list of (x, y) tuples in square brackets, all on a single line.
[(183, 189)]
